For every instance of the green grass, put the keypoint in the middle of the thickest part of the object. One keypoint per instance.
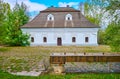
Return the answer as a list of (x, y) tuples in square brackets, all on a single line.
[(49, 49), (4, 49), (5, 75)]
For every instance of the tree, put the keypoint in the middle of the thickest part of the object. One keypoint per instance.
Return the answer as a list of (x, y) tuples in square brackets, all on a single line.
[(112, 35), (98, 11), (114, 9), (4, 10), (94, 11), (101, 35), (16, 18)]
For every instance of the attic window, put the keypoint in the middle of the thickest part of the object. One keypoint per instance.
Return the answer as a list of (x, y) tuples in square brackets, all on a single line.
[(50, 17), (68, 17)]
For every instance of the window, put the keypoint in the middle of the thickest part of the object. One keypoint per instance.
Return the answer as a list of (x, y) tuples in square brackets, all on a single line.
[(50, 17), (73, 39), (32, 39), (68, 17), (44, 39), (86, 39)]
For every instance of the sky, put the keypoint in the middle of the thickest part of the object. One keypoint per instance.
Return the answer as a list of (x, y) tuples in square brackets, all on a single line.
[(34, 6)]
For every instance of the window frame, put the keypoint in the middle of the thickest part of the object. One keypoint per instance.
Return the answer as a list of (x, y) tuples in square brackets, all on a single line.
[(68, 17), (50, 17)]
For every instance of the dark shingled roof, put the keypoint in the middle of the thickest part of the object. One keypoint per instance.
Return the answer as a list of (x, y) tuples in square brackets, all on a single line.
[(59, 13)]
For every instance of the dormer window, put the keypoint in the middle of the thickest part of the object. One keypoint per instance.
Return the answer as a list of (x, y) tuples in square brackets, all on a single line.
[(50, 17), (68, 17)]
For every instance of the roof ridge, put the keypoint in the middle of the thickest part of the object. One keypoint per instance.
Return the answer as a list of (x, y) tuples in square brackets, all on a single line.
[(60, 9)]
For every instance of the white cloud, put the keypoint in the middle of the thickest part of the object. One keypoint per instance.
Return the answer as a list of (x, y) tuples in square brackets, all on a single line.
[(71, 4), (32, 6)]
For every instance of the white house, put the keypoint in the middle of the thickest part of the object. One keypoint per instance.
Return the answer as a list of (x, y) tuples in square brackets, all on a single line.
[(58, 26)]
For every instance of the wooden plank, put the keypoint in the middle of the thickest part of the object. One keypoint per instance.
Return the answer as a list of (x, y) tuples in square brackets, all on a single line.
[(63, 59)]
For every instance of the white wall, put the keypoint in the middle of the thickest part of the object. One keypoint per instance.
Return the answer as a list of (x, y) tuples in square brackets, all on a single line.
[(65, 33)]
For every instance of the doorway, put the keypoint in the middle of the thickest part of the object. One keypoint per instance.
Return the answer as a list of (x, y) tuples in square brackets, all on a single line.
[(59, 41)]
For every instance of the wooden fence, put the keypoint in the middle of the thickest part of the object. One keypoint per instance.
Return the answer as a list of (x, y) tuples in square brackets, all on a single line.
[(61, 58)]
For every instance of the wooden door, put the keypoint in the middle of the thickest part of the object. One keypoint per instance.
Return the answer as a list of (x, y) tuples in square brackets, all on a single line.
[(59, 41)]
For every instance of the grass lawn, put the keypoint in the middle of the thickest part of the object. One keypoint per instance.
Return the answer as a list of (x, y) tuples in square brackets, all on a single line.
[(5, 75), (49, 49), (16, 59)]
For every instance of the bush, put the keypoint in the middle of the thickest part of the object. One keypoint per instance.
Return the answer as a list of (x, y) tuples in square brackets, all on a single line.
[(112, 36)]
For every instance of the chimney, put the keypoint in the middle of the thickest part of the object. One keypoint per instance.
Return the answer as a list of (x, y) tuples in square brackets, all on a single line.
[(81, 7), (52, 6), (68, 6)]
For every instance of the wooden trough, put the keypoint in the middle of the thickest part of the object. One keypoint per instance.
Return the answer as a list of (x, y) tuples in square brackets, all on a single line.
[(62, 58)]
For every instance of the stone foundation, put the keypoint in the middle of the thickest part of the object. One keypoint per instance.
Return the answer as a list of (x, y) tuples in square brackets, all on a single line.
[(94, 67), (58, 69)]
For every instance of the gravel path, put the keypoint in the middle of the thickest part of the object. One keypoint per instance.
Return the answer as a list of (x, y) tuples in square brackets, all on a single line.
[(25, 73)]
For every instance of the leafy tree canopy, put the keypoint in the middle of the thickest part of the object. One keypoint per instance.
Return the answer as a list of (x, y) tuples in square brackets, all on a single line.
[(14, 19), (4, 11), (112, 36)]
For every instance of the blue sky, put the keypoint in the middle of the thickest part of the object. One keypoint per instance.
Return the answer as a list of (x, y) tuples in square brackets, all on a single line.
[(34, 6), (56, 2)]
